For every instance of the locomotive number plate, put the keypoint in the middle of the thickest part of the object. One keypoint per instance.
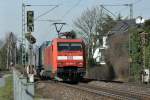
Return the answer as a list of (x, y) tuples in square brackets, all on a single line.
[(69, 57)]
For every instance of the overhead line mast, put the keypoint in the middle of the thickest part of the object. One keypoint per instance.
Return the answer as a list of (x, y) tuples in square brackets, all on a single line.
[(128, 5), (23, 44), (131, 17)]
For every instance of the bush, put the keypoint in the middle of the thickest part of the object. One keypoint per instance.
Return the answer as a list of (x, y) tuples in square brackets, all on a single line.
[(91, 62)]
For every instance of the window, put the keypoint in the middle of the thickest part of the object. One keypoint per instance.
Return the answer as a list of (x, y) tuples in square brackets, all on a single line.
[(63, 46), (69, 46)]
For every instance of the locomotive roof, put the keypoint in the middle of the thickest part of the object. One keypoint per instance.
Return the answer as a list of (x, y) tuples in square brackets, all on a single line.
[(67, 40)]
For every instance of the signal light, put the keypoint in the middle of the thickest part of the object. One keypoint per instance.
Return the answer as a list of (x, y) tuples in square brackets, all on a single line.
[(30, 21), (30, 38)]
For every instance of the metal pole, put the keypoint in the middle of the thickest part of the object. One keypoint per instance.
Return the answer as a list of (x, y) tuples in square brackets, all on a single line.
[(131, 11), (100, 35), (131, 17), (22, 35), (128, 5), (22, 51), (30, 53), (15, 54)]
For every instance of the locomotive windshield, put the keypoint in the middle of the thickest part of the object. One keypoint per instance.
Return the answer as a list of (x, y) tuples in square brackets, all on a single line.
[(69, 47)]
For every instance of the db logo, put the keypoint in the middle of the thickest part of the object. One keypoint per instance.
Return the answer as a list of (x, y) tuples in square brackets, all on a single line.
[(69, 57)]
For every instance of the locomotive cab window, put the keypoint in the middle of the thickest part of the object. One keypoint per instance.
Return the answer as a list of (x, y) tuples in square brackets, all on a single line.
[(69, 47), (75, 46)]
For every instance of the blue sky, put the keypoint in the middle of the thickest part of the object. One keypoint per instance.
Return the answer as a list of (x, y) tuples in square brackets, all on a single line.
[(10, 14)]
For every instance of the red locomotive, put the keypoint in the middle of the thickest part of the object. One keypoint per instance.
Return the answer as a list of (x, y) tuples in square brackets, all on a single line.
[(63, 58)]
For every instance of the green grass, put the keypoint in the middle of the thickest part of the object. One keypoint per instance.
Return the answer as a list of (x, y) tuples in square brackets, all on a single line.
[(5, 72), (6, 92)]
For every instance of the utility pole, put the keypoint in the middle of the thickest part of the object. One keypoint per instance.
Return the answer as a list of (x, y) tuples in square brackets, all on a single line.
[(129, 51), (131, 11), (101, 49), (23, 44), (131, 17)]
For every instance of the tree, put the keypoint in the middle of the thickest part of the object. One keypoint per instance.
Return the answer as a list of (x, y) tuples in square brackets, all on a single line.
[(147, 25), (119, 17), (140, 54), (11, 49), (86, 23), (135, 53), (107, 24), (94, 24), (8, 51), (1, 44), (3, 57)]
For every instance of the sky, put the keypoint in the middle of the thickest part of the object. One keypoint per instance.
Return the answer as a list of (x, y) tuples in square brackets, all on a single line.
[(67, 11)]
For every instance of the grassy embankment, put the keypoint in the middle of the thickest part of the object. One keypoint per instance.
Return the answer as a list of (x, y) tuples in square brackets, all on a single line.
[(6, 92)]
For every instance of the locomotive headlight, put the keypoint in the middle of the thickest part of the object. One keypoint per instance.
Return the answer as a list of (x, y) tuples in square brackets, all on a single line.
[(80, 64), (59, 64)]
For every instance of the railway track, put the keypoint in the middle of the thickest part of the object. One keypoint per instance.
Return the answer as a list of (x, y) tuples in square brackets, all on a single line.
[(139, 91), (111, 93), (98, 91), (125, 93), (139, 86)]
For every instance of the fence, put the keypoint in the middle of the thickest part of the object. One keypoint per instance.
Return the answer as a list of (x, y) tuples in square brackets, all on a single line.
[(23, 90)]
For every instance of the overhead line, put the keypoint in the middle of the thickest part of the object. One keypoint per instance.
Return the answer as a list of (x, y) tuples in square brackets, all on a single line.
[(137, 1), (108, 11), (113, 4), (71, 9), (49, 20), (41, 5), (46, 12)]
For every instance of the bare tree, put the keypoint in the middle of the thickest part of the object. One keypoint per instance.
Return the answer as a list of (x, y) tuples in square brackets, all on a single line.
[(93, 23), (87, 23), (11, 49)]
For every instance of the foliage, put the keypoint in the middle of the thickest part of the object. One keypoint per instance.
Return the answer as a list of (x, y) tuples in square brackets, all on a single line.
[(119, 17), (135, 53), (3, 58), (91, 62), (139, 52), (147, 25), (106, 23)]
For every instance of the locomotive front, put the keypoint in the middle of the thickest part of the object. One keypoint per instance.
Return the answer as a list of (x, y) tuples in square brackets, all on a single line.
[(71, 62)]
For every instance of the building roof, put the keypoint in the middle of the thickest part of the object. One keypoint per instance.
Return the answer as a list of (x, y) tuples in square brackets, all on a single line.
[(122, 27)]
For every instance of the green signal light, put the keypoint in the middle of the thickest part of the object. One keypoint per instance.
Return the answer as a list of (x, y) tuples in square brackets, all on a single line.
[(30, 21)]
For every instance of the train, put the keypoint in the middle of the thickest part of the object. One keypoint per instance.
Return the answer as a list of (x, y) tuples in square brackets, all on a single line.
[(61, 59)]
